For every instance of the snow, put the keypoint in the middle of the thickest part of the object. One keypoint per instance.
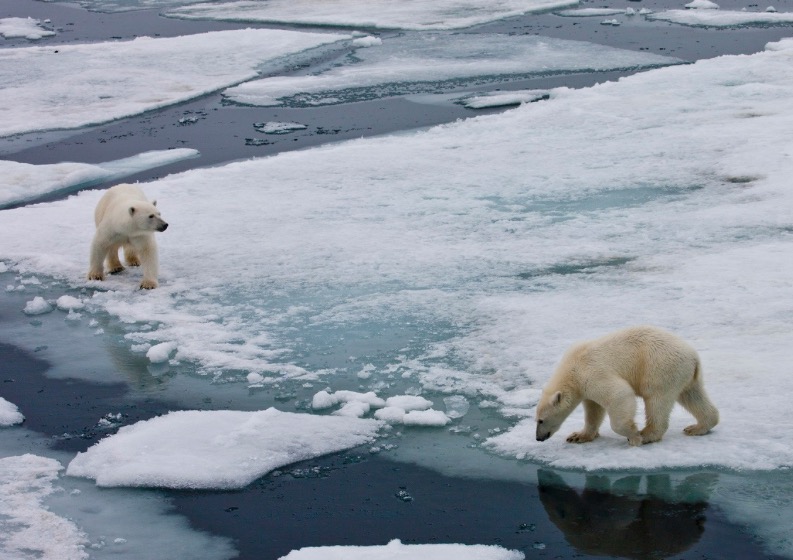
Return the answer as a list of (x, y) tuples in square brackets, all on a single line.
[(382, 14), (273, 127), (27, 28), (423, 62), (590, 12), (21, 182), (9, 413), (100, 82), (506, 98), (161, 352), (722, 18), (215, 449), (663, 198), (395, 550), (37, 306), (409, 402), (69, 303), (27, 528), (702, 5)]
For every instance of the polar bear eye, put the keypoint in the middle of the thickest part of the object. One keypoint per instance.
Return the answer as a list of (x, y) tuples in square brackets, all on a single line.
[(151, 215), (540, 421)]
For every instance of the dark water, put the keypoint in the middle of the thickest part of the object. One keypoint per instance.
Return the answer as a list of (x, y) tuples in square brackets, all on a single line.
[(358, 498)]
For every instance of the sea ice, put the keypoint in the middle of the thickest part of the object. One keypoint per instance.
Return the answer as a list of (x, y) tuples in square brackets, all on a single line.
[(589, 12), (28, 529), (161, 352), (9, 413), (383, 14), (27, 28), (395, 550), (504, 98), (21, 182), (722, 18), (278, 127), (495, 242), (215, 449), (430, 62), (104, 81), (69, 303), (37, 306)]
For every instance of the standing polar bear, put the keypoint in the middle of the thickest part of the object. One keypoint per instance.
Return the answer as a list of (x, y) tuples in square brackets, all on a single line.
[(608, 373), (124, 218)]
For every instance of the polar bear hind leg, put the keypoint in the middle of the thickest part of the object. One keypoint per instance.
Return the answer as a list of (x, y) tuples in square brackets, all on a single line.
[(696, 401)]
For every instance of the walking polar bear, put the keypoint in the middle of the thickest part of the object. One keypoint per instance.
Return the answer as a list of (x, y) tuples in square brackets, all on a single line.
[(125, 218), (608, 373)]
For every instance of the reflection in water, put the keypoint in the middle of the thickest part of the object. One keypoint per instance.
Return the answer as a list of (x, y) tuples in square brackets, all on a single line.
[(614, 519)]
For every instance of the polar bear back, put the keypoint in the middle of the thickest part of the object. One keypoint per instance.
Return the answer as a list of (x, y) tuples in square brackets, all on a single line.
[(114, 195), (648, 358)]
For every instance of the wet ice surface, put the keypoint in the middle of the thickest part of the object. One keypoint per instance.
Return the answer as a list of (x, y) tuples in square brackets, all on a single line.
[(21, 182), (428, 62), (444, 286)]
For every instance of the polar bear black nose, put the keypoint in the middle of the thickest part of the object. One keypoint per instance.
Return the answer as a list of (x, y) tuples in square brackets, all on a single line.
[(163, 227)]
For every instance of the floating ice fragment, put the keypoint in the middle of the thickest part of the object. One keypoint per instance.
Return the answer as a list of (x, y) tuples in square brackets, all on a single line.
[(9, 413), (354, 409), (457, 406), (390, 414), (434, 418), (408, 402), (27, 28), (3, 267), (278, 127), (505, 98), (37, 306), (723, 18), (323, 399), (395, 550), (589, 12), (613, 22), (215, 449), (702, 5), (69, 303), (161, 352), (369, 41), (770, 9), (255, 378)]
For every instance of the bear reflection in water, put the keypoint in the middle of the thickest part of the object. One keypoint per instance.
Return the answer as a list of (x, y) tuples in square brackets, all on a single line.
[(614, 519)]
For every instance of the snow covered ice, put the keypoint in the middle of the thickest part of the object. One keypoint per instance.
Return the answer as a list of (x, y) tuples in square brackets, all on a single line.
[(9, 413), (215, 449), (382, 14), (722, 18), (27, 28), (503, 233), (429, 62), (104, 81), (395, 550)]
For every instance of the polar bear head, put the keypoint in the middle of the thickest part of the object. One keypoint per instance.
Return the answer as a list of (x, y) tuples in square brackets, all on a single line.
[(146, 217), (554, 407)]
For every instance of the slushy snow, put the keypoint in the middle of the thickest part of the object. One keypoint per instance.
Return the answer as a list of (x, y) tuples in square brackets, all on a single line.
[(21, 182), (100, 82), (383, 14), (28, 529), (215, 449), (423, 62), (9, 413), (395, 550)]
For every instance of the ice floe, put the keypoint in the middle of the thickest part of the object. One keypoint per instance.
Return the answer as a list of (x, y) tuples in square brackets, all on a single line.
[(9, 413), (215, 449), (21, 182), (429, 62), (722, 18), (25, 28), (383, 14), (28, 529), (100, 82), (504, 98), (395, 550), (494, 243)]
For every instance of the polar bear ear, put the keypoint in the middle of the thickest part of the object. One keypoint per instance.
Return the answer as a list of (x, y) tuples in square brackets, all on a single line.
[(556, 398), (131, 210), (154, 202)]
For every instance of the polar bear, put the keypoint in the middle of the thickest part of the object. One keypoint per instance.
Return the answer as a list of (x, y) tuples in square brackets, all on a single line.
[(608, 373), (124, 218)]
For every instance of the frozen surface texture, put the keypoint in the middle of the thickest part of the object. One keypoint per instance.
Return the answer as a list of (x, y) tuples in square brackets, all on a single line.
[(385, 14), (496, 242), (9, 413), (215, 449), (722, 18), (429, 62), (395, 550), (28, 28), (105, 81)]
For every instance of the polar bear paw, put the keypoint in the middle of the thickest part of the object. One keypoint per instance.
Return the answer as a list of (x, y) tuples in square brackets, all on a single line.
[(116, 269), (581, 437), (148, 284), (695, 430), (94, 275)]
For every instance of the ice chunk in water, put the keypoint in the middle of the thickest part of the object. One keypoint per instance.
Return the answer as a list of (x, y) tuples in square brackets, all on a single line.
[(37, 306), (28, 28), (9, 413), (395, 550)]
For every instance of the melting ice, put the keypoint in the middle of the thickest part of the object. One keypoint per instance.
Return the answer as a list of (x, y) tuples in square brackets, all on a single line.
[(27, 28), (430, 62)]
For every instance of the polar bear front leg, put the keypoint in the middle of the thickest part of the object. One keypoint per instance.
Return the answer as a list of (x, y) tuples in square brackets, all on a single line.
[(114, 265), (146, 249), (96, 267), (622, 414), (593, 418)]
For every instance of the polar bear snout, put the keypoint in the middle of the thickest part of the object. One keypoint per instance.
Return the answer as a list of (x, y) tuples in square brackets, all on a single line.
[(162, 227), (542, 436)]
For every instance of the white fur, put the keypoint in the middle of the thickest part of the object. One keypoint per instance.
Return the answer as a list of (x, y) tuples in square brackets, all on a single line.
[(608, 373), (124, 218)]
